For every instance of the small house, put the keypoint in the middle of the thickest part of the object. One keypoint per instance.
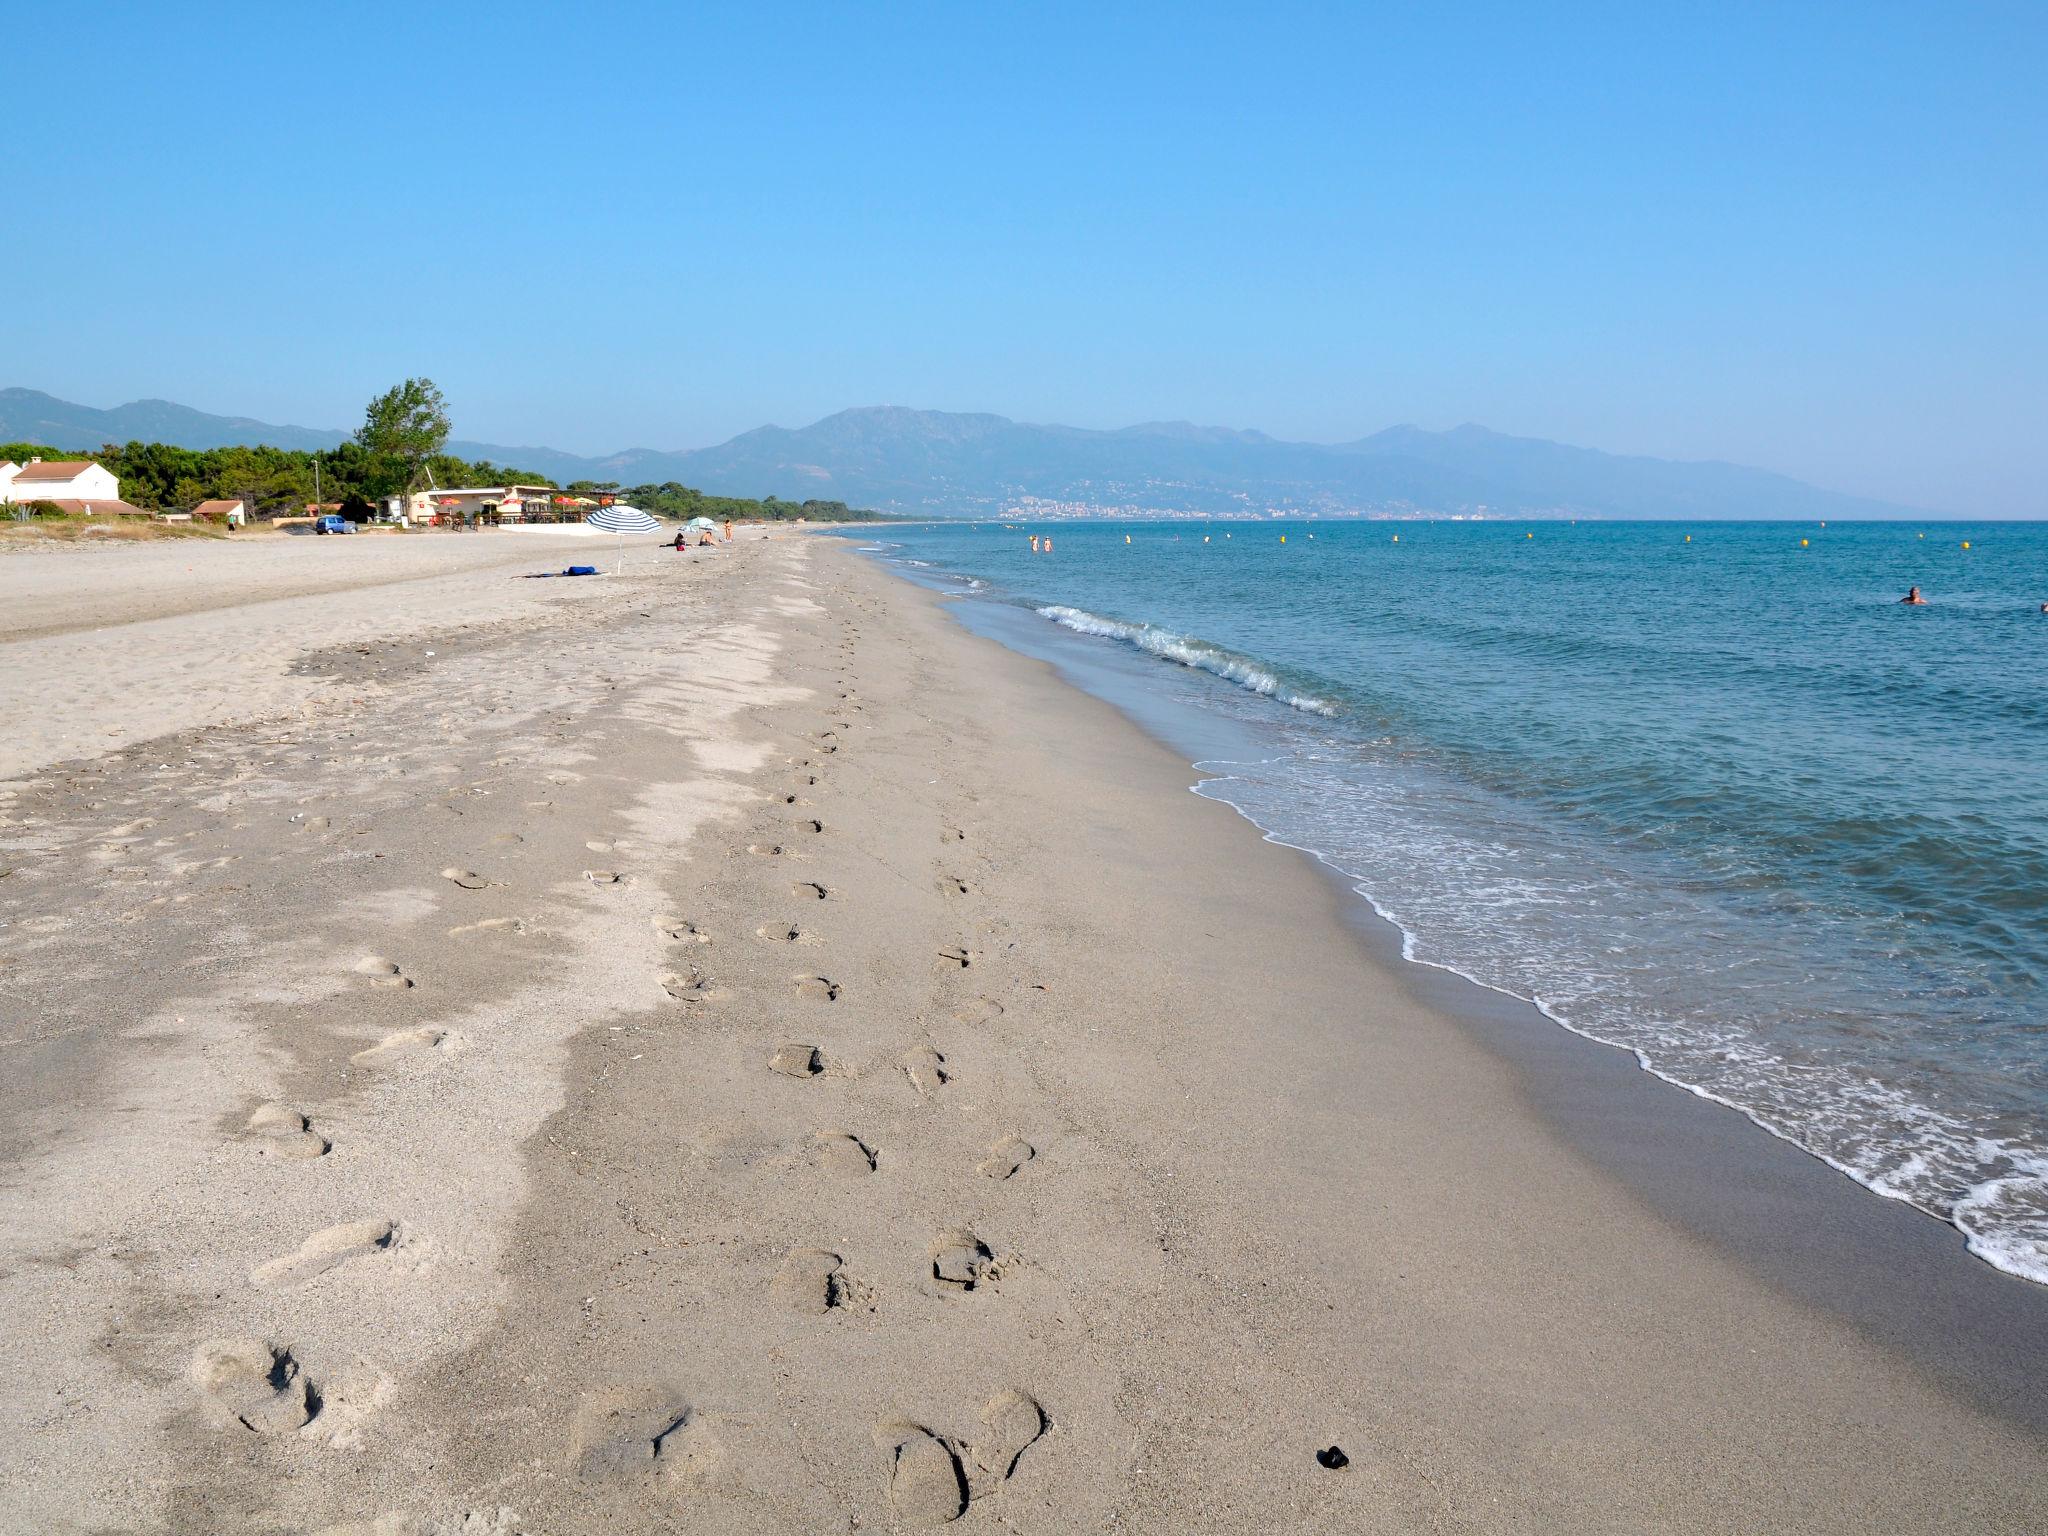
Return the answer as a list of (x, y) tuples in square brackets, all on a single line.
[(59, 480)]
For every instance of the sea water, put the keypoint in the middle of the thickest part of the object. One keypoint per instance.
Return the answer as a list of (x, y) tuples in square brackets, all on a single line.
[(1707, 792)]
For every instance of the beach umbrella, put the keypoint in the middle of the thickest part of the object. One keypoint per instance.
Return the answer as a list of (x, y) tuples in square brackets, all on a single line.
[(622, 520), (703, 522)]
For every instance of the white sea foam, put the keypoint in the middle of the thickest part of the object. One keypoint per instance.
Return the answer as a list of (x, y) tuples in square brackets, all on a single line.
[(1188, 652)]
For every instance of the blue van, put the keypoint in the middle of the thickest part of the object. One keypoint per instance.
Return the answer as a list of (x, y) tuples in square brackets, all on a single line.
[(332, 523)]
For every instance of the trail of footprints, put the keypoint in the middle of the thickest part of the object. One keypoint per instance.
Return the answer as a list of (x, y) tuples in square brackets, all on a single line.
[(933, 1476), (259, 1386)]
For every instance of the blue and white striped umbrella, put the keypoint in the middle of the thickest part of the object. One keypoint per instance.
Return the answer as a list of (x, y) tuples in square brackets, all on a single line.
[(622, 520)]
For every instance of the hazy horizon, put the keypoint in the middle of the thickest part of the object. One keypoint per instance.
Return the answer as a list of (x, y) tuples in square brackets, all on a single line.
[(1811, 244)]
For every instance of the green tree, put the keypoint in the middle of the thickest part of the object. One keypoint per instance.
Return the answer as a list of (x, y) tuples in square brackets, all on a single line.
[(405, 426)]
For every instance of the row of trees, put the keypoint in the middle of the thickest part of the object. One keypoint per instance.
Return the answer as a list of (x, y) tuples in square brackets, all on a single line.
[(673, 499), (274, 481)]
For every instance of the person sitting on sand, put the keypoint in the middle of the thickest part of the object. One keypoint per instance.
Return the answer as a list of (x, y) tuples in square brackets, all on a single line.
[(1913, 599)]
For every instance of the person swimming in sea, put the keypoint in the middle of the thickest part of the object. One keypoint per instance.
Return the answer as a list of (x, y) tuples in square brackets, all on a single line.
[(1913, 599)]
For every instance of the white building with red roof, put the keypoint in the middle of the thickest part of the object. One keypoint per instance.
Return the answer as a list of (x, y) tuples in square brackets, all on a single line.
[(58, 480)]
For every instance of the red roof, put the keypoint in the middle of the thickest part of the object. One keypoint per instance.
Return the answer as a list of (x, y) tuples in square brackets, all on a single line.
[(104, 507), (54, 469), (216, 508)]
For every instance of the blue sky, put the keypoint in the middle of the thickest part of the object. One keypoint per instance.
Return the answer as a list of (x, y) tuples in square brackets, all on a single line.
[(1810, 237)]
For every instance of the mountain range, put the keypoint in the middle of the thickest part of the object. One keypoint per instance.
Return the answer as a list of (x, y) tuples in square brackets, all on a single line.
[(942, 463)]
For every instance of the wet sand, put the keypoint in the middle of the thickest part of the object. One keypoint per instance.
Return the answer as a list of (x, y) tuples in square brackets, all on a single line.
[(723, 1049)]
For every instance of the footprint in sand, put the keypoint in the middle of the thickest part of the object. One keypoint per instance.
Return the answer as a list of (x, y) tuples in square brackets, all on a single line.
[(380, 972), (691, 986), (283, 1132), (816, 988), (768, 850), (961, 1261), (404, 1042), (780, 933), (808, 888), (254, 1385), (629, 1432), (952, 835), (326, 1249), (813, 1282), (932, 1477), (489, 925), (508, 838), (604, 877), (926, 1069), (838, 1152), (680, 932), (954, 957), (1006, 1157), (926, 1483), (953, 885), (468, 879), (796, 1061), (1011, 1423)]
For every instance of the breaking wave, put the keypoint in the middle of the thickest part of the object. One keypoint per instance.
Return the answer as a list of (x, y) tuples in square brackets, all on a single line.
[(1189, 652)]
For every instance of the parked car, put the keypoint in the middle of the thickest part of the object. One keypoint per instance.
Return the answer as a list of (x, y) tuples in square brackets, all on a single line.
[(332, 523)]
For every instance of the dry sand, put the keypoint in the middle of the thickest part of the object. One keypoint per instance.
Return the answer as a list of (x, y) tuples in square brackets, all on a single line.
[(720, 1049)]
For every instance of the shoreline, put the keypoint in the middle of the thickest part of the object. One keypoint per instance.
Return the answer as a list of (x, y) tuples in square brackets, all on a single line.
[(651, 1271)]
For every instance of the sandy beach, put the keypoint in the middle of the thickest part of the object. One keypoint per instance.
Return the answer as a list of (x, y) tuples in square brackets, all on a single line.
[(722, 1048)]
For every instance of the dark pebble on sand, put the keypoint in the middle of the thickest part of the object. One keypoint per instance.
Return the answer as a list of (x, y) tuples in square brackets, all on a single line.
[(1334, 1458)]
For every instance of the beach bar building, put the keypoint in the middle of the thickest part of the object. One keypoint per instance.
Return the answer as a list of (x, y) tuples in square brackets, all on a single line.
[(491, 504)]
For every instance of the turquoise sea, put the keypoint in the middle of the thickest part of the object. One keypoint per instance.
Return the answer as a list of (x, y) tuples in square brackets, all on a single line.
[(1706, 792)]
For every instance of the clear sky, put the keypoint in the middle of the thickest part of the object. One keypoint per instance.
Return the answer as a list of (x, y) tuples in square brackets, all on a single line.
[(1808, 237)]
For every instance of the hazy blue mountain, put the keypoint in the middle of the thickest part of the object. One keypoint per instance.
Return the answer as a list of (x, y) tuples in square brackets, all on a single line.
[(944, 462), (30, 416)]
